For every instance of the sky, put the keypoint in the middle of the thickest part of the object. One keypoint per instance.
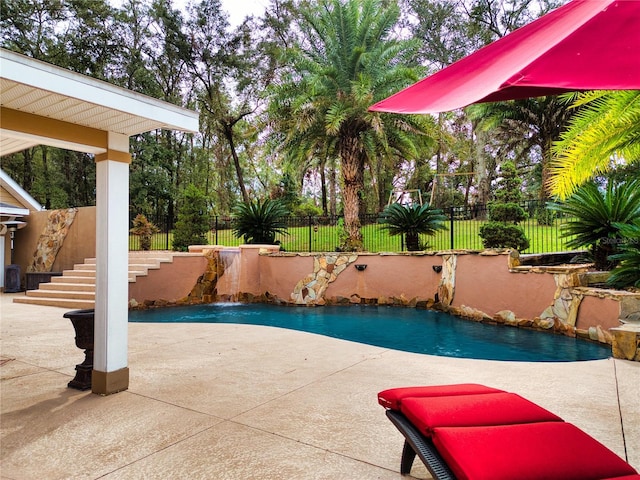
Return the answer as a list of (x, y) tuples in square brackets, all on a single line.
[(239, 9)]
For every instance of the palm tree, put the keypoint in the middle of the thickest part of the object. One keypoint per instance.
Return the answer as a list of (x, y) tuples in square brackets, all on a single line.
[(599, 217), (411, 221), (525, 124), (604, 132), (260, 222), (345, 62)]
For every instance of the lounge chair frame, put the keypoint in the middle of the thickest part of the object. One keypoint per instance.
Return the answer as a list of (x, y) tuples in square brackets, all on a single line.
[(416, 443)]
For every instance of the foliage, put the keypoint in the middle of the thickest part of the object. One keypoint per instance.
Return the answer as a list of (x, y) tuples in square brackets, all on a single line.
[(502, 231), (627, 273), (545, 215), (319, 65), (193, 220), (604, 132), (307, 208), (287, 192), (260, 222), (506, 212), (500, 235), (346, 60), (598, 216), (145, 230), (412, 220), (525, 126)]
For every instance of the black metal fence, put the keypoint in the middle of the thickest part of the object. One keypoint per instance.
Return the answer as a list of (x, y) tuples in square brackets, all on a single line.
[(543, 228)]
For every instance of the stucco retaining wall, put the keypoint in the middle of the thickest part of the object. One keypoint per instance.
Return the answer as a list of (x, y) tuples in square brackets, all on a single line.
[(486, 283), (168, 285)]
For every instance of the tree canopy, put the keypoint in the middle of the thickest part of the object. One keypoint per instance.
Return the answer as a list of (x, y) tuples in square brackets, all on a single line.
[(283, 101)]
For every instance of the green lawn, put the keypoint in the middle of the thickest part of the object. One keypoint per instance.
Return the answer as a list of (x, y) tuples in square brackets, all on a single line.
[(325, 238)]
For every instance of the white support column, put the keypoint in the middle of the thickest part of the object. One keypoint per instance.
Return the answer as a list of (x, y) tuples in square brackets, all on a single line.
[(2, 261), (110, 362)]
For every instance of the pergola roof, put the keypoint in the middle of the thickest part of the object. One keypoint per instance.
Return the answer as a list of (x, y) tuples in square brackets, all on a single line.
[(73, 111)]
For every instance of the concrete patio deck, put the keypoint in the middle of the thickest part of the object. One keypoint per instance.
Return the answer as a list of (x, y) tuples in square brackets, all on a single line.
[(244, 402)]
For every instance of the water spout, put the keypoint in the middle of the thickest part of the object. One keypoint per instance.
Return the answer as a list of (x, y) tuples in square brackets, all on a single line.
[(229, 279)]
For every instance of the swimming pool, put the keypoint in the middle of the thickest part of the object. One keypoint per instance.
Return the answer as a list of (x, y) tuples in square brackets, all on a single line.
[(407, 329)]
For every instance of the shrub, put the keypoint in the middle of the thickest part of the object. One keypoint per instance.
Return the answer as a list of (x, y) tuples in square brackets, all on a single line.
[(260, 222), (411, 221), (307, 209), (505, 213), (545, 216), (627, 273), (599, 216), (145, 230), (193, 220), (499, 235)]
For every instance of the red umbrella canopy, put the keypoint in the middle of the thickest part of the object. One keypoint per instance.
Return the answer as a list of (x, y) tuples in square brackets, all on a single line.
[(583, 45)]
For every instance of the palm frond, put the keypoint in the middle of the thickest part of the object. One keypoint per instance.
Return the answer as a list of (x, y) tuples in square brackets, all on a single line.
[(607, 128)]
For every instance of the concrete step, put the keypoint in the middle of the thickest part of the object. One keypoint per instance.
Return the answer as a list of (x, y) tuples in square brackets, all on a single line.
[(71, 287), (73, 279), (70, 294), (79, 273), (56, 302), (84, 267), (76, 288)]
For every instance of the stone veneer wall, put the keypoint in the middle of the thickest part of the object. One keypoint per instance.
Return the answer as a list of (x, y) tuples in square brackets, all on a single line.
[(326, 267), (51, 239)]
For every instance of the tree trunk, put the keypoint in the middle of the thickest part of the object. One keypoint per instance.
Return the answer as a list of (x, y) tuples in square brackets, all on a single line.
[(481, 172), (351, 156), (228, 133), (47, 177), (546, 160), (413, 242), (27, 169), (333, 184), (323, 187)]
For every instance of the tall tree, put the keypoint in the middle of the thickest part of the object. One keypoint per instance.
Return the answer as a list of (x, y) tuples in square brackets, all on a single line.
[(524, 125), (230, 75), (29, 27), (132, 67), (346, 61), (89, 38)]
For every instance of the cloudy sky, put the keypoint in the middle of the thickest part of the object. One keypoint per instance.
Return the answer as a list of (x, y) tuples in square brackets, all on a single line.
[(238, 9)]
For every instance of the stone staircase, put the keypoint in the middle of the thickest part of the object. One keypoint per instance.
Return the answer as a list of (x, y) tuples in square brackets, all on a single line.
[(77, 288)]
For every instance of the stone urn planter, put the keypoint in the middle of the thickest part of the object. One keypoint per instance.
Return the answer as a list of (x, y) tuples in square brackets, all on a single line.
[(82, 321)]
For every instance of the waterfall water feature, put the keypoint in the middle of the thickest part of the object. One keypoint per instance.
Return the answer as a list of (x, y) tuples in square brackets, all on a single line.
[(229, 279)]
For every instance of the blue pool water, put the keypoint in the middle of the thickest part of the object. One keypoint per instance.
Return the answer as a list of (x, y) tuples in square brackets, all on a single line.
[(408, 329)]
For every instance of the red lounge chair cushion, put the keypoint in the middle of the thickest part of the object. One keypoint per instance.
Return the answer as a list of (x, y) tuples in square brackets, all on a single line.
[(533, 451), (427, 413), (393, 397)]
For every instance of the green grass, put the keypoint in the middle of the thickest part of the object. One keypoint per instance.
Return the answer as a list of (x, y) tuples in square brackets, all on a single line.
[(325, 238)]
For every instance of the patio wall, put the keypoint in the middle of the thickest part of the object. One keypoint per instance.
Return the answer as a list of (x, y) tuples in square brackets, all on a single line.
[(481, 283), (79, 243), (169, 285)]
